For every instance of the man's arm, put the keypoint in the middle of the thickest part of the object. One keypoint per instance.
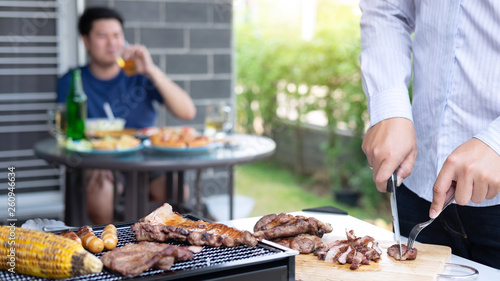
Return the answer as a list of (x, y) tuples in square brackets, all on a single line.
[(176, 100), (390, 143)]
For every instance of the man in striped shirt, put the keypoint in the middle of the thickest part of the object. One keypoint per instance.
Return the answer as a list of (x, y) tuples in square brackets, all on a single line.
[(444, 136)]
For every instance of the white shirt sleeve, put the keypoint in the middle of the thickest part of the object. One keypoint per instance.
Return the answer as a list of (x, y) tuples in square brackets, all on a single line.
[(386, 28), (491, 135)]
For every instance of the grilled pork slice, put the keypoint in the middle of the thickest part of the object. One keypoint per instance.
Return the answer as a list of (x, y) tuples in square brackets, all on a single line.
[(304, 243), (164, 224), (355, 251), (285, 225), (408, 253), (133, 259)]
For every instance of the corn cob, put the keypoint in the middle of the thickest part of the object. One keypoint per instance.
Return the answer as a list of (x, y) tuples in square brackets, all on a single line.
[(43, 254)]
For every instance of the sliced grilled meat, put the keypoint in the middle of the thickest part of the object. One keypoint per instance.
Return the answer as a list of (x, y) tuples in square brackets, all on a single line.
[(354, 250), (408, 253), (357, 260)]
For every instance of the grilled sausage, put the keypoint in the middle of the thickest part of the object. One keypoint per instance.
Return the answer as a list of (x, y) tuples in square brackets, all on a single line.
[(89, 240), (71, 235), (109, 237)]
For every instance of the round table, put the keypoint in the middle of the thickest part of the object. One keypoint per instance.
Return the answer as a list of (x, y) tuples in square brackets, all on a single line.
[(240, 149)]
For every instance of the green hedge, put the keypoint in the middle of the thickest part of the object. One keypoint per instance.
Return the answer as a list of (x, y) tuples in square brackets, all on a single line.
[(270, 63)]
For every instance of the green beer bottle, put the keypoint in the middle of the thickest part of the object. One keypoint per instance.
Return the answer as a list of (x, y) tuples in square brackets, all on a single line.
[(76, 108)]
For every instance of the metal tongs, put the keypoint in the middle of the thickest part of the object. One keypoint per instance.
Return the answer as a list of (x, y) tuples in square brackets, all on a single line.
[(56, 228)]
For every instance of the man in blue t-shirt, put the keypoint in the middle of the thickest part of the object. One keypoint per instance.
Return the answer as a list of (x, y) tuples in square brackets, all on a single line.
[(131, 97)]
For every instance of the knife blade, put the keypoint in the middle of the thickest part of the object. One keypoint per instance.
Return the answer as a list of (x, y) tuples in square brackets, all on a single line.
[(391, 188)]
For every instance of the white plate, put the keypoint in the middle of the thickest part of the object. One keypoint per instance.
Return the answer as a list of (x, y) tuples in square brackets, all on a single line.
[(178, 150), (104, 152)]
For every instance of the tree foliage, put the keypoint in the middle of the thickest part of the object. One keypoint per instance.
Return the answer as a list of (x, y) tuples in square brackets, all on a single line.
[(321, 74)]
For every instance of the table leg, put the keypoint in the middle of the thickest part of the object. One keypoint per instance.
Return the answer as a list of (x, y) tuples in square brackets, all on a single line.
[(70, 199), (172, 189), (197, 186), (230, 182), (136, 195), (83, 193), (169, 187), (175, 193), (115, 193), (75, 205), (142, 194), (131, 200), (180, 187)]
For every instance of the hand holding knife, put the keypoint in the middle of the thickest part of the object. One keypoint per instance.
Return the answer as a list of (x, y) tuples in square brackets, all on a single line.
[(391, 188)]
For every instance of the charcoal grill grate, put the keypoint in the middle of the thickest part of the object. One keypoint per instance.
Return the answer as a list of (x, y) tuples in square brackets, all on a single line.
[(209, 257)]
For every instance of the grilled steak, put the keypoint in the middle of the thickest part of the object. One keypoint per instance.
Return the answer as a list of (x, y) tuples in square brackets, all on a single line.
[(164, 224), (133, 259), (408, 253), (304, 243), (285, 225)]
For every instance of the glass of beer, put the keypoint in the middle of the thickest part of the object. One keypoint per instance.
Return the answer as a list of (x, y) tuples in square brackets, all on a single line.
[(57, 123), (128, 66), (218, 120)]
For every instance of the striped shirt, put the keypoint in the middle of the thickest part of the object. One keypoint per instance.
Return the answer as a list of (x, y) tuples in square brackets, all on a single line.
[(455, 48)]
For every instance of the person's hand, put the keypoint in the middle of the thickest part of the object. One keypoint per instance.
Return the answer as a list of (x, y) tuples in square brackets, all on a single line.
[(143, 62), (474, 167), (175, 99), (388, 145)]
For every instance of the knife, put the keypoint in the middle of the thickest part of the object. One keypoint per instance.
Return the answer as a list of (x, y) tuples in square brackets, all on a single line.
[(391, 188)]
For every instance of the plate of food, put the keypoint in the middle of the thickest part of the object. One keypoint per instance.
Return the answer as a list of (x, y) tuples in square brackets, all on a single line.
[(115, 134), (179, 140), (105, 146), (146, 133)]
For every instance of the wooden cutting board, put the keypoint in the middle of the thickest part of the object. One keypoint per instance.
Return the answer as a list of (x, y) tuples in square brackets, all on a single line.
[(429, 263)]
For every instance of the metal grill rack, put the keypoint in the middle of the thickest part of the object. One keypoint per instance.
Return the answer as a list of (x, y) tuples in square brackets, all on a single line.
[(266, 261)]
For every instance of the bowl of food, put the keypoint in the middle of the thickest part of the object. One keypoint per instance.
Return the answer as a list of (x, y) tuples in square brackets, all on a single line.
[(104, 124), (99, 127)]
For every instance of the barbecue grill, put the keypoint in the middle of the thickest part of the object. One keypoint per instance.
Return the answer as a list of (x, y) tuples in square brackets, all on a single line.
[(266, 261)]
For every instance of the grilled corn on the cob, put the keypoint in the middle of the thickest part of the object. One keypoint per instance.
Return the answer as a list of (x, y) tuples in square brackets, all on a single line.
[(43, 254)]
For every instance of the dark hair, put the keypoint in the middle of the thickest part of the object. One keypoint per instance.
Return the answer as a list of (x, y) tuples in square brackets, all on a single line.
[(96, 13)]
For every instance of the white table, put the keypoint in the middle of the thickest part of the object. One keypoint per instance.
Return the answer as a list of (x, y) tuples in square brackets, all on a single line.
[(340, 222)]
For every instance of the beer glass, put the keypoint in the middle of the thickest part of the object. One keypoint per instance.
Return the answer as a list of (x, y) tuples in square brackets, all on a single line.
[(128, 66), (57, 122), (218, 120)]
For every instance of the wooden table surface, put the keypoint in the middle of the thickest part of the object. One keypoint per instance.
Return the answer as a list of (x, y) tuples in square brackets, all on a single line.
[(430, 261)]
